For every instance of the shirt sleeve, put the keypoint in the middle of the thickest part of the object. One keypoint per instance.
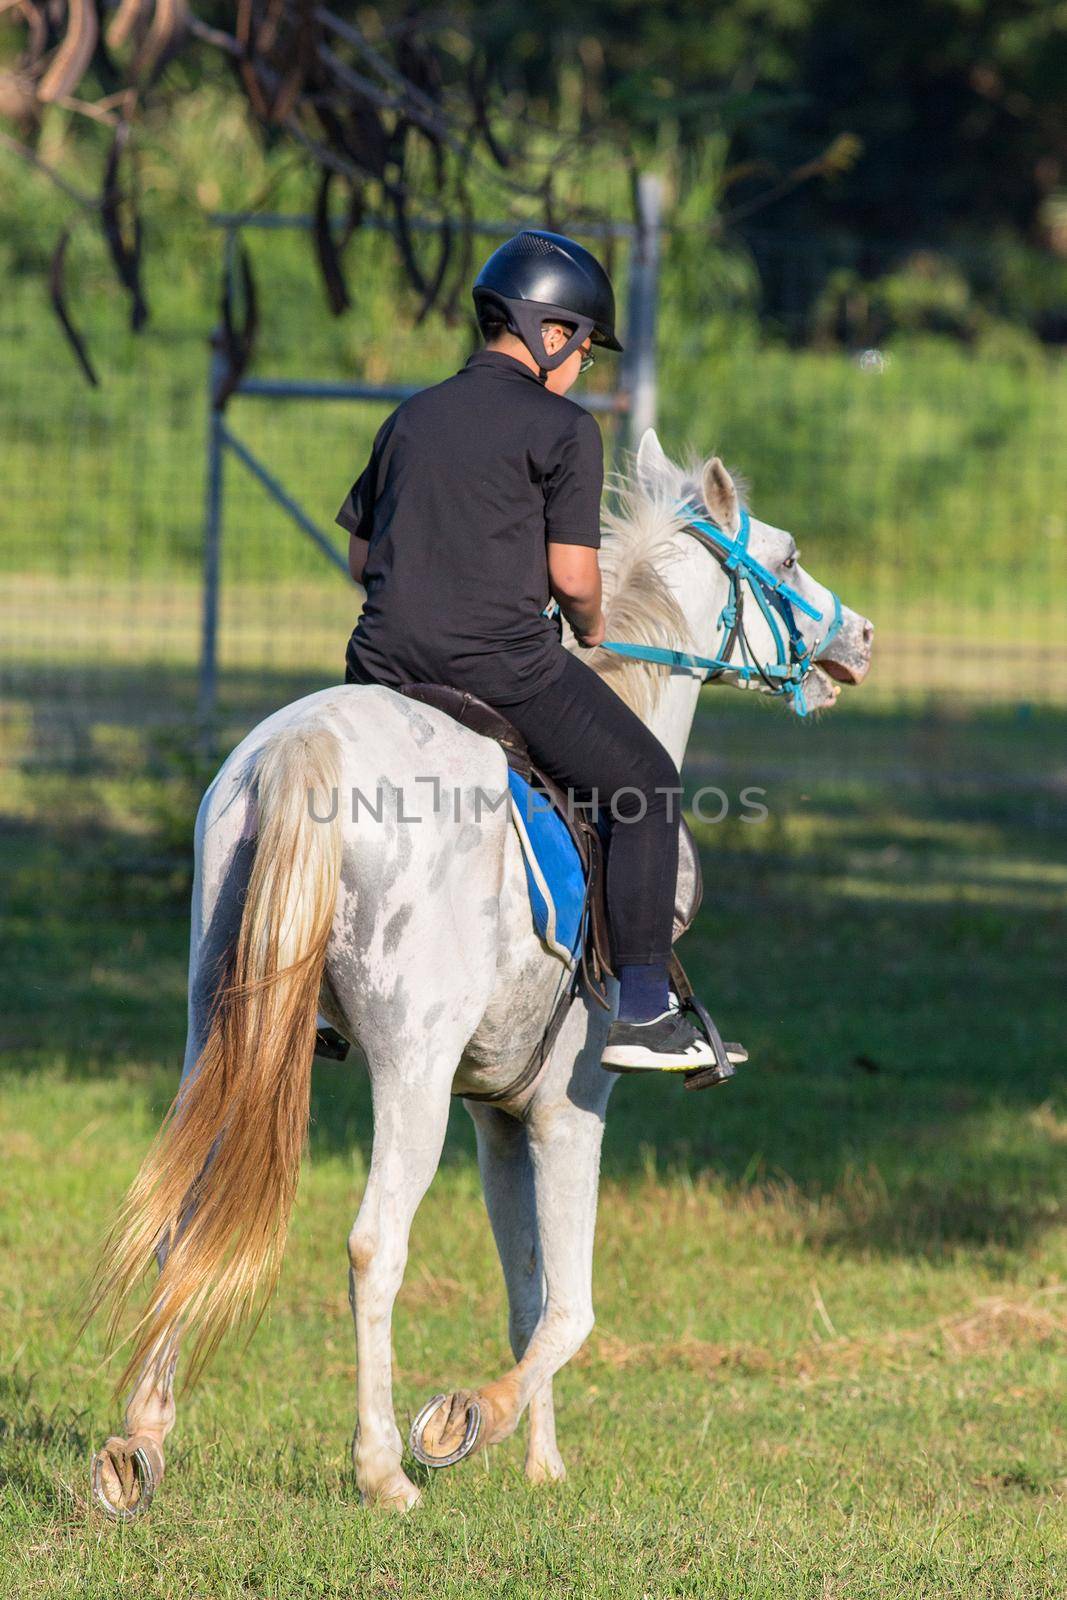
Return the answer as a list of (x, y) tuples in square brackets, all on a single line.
[(573, 486), (356, 515)]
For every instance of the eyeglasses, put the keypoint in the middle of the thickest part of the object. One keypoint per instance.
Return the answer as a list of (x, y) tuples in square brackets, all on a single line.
[(588, 360)]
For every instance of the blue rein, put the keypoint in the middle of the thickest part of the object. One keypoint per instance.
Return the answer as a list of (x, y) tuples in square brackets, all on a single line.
[(777, 601)]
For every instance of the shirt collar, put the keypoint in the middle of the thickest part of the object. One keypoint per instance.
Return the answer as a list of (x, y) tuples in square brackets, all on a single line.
[(503, 366)]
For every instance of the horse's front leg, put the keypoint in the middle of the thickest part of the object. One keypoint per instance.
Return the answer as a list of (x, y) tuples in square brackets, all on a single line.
[(410, 1118), (508, 1183), (564, 1128)]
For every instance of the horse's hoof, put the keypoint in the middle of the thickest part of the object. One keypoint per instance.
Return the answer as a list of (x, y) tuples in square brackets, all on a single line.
[(446, 1430), (125, 1475), (397, 1493), (545, 1469)]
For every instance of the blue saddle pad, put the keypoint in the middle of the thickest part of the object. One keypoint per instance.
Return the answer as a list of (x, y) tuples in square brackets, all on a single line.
[(553, 869)]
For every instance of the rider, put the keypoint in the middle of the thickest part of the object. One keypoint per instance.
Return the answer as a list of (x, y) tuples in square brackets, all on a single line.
[(482, 497)]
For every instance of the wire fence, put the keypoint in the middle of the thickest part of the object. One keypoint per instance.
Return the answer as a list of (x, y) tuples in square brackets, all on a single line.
[(926, 481)]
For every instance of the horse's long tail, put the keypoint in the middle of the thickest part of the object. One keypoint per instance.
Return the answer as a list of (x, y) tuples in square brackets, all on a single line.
[(214, 1194)]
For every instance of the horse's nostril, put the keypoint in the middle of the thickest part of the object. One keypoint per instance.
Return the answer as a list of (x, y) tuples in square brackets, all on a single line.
[(868, 631)]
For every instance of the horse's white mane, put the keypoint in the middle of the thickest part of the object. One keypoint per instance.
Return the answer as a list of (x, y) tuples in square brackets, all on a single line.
[(641, 527)]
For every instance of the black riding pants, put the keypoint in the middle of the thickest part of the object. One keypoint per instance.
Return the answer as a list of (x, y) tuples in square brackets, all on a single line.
[(591, 743)]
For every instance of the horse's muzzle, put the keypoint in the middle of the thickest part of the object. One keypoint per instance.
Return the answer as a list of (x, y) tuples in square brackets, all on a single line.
[(849, 657)]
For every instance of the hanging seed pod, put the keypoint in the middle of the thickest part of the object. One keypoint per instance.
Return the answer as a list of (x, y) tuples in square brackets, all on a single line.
[(74, 54)]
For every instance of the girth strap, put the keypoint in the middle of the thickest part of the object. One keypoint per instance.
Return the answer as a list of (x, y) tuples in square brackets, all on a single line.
[(540, 1053)]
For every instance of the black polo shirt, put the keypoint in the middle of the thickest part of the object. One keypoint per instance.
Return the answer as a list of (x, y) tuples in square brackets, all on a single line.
[(466, 483)]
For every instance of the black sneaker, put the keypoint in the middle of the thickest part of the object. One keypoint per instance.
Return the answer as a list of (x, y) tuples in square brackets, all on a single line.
[(667, 1043), (331, 1045)]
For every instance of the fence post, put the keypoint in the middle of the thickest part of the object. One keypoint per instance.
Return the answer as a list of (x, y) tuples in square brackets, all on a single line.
[(641, 318), (207, 687)]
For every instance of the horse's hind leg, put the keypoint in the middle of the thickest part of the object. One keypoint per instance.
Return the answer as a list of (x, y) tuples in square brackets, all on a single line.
[(410, 1119), (127, 1471), (508, 1183)]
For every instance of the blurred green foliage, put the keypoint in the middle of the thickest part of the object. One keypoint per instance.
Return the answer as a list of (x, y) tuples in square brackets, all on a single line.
[(812, 147)]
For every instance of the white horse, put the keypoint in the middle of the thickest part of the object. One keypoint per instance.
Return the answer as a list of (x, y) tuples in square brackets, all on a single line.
[(403, 917)]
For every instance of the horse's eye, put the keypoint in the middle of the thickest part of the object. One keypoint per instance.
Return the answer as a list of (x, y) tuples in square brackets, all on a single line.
[(790, 562)]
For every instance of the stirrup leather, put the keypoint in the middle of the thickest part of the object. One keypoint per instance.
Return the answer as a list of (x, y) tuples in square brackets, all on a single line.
[(724, 1069)]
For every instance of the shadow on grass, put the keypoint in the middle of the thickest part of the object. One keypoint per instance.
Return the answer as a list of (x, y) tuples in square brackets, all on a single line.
[(85, 721), (936, 1222), (890, 953)]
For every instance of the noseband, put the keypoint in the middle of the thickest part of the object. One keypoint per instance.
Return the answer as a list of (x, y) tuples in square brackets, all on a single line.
[(778, 603)]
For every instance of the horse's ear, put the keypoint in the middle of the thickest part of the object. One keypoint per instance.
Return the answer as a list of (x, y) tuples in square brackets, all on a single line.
[(721, 498), (653, 466)]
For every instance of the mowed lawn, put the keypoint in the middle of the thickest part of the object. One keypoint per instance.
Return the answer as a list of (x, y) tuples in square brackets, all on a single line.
[(831, 1297)]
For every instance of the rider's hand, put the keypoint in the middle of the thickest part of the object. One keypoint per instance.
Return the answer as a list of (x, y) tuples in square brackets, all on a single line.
[(596, 634)]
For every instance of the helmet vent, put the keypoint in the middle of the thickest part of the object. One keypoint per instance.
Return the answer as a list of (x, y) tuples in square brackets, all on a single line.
[(529, 244)]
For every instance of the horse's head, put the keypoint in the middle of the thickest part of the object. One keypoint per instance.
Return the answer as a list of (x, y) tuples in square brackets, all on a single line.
[(790, 612)]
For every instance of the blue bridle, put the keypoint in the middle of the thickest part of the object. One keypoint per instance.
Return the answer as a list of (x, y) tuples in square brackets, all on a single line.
[(778, 603)]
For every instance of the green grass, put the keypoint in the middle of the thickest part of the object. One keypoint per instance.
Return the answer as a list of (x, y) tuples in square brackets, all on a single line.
[(831, 1297)]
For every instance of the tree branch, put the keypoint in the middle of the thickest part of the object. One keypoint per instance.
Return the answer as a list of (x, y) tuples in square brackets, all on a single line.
[(32, 159)]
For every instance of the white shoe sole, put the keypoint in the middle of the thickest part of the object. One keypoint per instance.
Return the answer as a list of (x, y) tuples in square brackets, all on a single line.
[(635, 1058)]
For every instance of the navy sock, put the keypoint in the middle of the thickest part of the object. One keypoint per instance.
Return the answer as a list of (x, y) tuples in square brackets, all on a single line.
[(644, 992)]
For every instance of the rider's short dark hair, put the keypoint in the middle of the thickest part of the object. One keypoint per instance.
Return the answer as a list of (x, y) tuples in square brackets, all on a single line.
[(491, 322)]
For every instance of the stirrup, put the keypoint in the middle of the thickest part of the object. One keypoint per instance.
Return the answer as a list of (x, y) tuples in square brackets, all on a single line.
[(724, 1068)]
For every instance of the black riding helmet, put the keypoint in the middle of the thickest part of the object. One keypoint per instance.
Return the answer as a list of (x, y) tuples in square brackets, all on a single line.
[(544, 277)]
